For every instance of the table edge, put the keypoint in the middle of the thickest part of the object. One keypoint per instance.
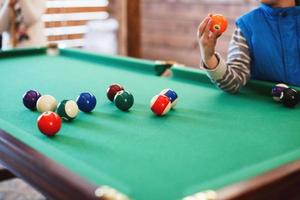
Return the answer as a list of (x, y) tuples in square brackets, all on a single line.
[(49, 177), (21, 159), (282, 181)]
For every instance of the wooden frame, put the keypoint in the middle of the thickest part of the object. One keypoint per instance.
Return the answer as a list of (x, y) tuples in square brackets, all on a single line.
[(128, 14), (280, 183), (53, 180), (50, 178), (57, 182)]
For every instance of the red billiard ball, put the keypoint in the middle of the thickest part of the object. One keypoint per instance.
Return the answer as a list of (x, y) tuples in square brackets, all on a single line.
[(112, 90), (160, 105), (49, 123), (219, 23)]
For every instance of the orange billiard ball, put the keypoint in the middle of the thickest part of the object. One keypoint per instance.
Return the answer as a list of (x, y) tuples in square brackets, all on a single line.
[(219, 23)]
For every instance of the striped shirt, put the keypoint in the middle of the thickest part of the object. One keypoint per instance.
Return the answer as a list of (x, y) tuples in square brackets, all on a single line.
[(234, 73)]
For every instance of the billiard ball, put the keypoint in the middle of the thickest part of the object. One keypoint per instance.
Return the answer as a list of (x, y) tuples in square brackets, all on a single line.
[(218, 23), (160, 105), (67, 110), (52, 49), (30, 98), (124, 100), (277, 90), (49, 123), (86, 102), (46, 103), (109, 193), (172, 95), (112, 90), (289, 97)]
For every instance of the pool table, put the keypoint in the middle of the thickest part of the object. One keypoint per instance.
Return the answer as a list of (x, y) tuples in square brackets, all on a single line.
[(212, 145)]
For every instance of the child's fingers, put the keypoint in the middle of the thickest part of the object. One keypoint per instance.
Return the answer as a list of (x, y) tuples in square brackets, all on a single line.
[(215, 35), (207, 27), (202, 26)]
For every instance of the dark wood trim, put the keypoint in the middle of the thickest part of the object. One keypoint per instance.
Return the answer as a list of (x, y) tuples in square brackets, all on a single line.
[(116, 9), (6, 175), (128, 14), (280, 183), (50, 178), (134, 28), (56, 182)]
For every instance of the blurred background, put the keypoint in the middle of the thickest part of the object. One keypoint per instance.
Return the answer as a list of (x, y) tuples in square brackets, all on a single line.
[(150, 29)]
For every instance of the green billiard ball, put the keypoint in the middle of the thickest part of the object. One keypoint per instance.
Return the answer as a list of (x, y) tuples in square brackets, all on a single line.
[(67, 110), (124, 100)]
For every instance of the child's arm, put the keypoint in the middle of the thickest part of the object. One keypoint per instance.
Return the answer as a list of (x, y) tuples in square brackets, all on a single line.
[(234, 74), (32, 10), (5, 13)]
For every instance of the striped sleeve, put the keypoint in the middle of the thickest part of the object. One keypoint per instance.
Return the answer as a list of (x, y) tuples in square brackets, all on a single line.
[(230, 76)]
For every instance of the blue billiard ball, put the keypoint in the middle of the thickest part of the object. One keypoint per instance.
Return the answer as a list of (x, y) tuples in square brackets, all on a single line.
[(86, 102)]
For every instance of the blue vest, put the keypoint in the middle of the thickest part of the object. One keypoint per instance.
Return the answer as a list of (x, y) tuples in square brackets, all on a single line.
[(273, 36)]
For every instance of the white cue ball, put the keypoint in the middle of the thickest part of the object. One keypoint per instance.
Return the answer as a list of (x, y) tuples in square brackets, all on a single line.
[(46, 103)]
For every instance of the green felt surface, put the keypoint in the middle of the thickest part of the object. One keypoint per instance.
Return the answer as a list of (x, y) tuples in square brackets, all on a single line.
[(210, 140)]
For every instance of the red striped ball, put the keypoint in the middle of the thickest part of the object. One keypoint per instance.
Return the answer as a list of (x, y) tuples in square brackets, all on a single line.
[(160, 105)]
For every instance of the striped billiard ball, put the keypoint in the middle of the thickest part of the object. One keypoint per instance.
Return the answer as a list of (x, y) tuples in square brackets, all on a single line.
[(124, 100), (86, 102), (277, 90), (67, 110), (160, 105), (172, 95)]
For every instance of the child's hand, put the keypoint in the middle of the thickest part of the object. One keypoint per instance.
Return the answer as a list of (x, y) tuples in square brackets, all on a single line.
[(12, 3), (207, 43)]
